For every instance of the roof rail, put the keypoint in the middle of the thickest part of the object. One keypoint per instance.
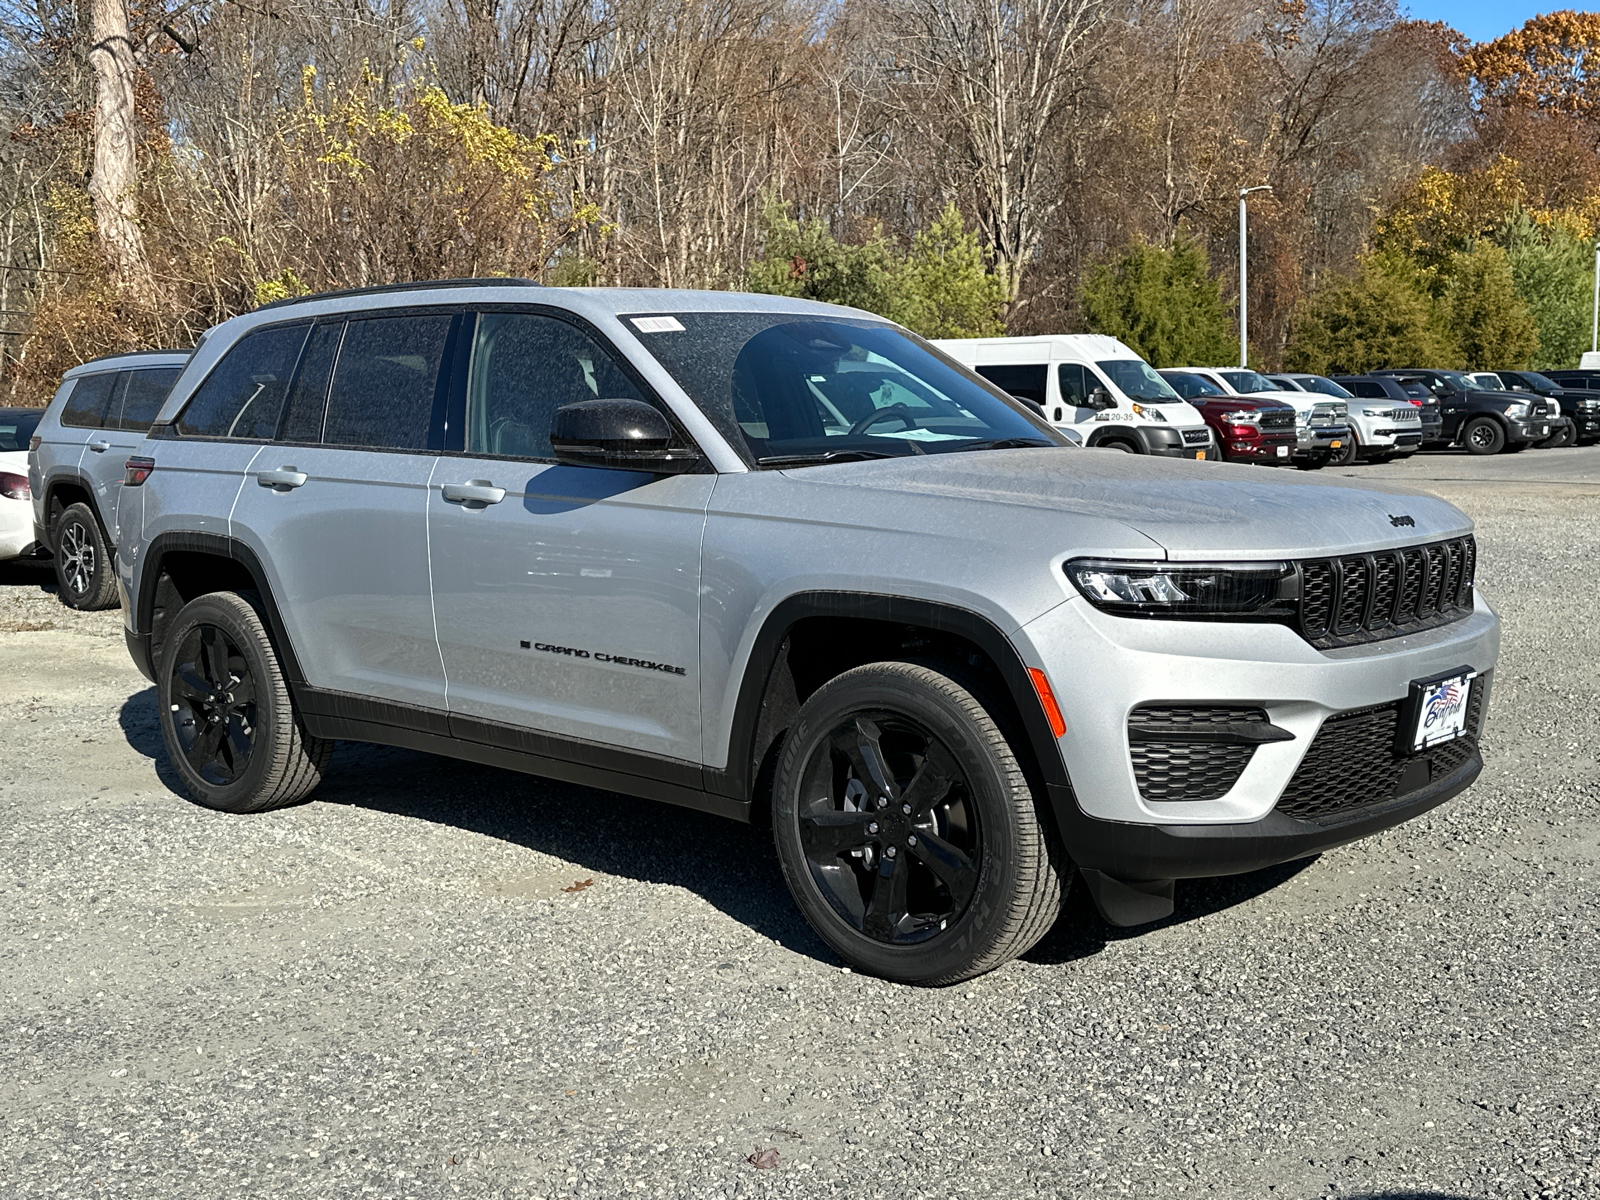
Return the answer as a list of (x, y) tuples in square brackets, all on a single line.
[(129, 354), (420, 285)]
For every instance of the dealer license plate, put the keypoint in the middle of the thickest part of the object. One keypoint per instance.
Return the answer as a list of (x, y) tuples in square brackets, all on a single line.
[(1335, 444), (1283, 452), (1439, 709), (1199, 454)]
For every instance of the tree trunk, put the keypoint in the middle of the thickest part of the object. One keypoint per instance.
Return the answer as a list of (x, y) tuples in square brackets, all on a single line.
[(114, 176)]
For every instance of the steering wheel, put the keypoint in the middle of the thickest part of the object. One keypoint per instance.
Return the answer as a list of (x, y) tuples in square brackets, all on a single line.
[(899, 412)]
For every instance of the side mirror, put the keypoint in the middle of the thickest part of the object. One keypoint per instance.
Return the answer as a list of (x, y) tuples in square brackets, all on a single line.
[(1035, 405), (1101, 399), (624, 435)]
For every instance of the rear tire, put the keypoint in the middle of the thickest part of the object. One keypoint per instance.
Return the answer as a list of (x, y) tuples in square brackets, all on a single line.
[(229, 724), (965, 881), (84, 570), (1483, 435)]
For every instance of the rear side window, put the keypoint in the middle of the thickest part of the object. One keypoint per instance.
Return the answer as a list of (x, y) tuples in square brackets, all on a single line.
[(1028, 381), (308, 398), (142, 396), (86, 406), (386, 384), (524, 367), (1367, 391), (243, 395)]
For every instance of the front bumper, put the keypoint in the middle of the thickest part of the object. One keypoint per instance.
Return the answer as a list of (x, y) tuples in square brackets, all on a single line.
[(1530, 429), (1320, 441), (1586, 422), (1262, 448), (1169, 441)]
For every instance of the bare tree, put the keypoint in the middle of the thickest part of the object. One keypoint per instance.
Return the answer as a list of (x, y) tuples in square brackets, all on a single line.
[(114, 180)]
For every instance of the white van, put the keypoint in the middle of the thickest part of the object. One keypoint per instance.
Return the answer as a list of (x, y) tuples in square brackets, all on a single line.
[(1091, 384)]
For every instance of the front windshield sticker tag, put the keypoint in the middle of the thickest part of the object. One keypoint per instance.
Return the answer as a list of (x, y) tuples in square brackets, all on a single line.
[(657, 324)]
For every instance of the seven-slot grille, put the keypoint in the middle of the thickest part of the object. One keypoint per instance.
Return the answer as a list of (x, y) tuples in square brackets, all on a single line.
[(1408, 413), (1352, 762), (1196, 437), (1363, 597), (1277, 418)]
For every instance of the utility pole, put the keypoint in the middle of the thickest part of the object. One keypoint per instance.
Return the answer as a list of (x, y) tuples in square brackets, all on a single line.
[(1244, 277), (1594, 339)]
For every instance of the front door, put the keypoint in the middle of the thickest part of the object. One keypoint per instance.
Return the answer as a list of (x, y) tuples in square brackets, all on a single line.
[(567, 598)]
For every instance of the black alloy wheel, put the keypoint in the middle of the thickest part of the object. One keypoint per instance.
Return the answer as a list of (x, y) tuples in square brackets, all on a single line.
[(228, 721), (1483, 435), (907, 830), (890, 836), (84, 571), (1346, 453), (213, 703)]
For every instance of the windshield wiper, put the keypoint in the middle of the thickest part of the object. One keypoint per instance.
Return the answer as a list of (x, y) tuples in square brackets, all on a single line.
[(1010, 443), (824, 456)]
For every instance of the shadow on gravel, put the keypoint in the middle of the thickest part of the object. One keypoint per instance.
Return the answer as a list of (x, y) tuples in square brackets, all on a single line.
[(731, 866), (1082, 932), (23, 573)]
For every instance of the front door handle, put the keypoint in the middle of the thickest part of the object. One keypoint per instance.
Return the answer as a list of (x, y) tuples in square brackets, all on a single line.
[(282, 479), (474, 491), (99, 447)]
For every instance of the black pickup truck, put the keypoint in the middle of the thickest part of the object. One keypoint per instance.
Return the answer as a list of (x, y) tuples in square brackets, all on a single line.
[(1482, 422), (1577, 392)]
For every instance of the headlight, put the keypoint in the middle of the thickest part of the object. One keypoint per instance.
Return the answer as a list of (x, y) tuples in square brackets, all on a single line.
[(1148, 413), (1195, 591), (1516, 410), (1242, 418), (1302, 416), (1377, 412)]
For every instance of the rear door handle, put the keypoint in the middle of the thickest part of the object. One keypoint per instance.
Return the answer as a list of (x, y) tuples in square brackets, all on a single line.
[(99, 447), (475, 491), (282, 479)]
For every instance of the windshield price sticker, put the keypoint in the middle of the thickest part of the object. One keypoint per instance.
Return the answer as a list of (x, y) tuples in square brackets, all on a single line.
[(1441, 709)]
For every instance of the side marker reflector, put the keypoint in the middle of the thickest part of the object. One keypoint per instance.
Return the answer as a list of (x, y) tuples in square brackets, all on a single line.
[(1047, 701)]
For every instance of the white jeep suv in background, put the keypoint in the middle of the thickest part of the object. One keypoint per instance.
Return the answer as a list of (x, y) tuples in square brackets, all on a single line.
[(1380, 430)]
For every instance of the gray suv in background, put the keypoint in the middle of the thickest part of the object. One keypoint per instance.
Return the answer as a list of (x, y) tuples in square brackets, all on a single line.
[(787, 562), (97, 417)]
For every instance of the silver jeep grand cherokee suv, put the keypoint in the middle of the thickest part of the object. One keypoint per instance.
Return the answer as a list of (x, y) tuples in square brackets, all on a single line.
[(785, 561)]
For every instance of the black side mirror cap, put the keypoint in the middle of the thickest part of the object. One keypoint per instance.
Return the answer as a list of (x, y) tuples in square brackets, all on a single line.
[(623, 435)]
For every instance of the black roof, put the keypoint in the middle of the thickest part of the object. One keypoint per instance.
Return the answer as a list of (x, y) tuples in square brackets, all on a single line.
[(418, 286)]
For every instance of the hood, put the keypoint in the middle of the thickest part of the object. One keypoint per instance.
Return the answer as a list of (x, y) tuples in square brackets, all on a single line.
[(1193, 510)]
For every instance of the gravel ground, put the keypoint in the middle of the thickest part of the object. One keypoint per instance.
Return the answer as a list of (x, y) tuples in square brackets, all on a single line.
[(439, 979)]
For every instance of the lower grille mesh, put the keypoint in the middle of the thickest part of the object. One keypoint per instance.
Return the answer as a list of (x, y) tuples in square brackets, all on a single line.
[(1168, 770), (1352, 761)]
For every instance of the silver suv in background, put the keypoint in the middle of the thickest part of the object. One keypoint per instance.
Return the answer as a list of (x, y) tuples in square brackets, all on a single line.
[(98, 416), (1379, 431), (787, 562)]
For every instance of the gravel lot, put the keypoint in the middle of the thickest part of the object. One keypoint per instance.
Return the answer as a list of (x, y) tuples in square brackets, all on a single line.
[(438, 979)]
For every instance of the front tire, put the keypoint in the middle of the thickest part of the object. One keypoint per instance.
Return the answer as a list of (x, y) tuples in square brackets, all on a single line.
[(229, 724), (907, 831), (1566, 436), (84, 570), (1347, 453), (1483, 435)]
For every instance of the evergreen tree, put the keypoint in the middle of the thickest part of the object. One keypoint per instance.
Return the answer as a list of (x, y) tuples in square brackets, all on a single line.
[(1552, 269), (1491, 325), (1162, 303), (1382, 316)]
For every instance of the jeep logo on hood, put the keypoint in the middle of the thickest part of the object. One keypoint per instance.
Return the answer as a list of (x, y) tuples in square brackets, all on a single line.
[(1407, 521)]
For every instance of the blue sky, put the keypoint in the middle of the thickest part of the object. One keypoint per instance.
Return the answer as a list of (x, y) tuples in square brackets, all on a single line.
[(1482, 20)]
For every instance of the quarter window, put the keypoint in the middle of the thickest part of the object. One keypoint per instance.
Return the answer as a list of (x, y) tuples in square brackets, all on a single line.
[(86, 406), (308, 397), (524, 367), (143, 395), (386, 384), (243, 395)]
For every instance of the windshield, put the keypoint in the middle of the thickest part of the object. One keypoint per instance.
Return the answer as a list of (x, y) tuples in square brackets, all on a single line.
[(1247, 382), (1487, 382), (1136, 380), (1459, 380), (16, 428), (1192, 386), (1323, 386), (788, 389), (1539, 382)]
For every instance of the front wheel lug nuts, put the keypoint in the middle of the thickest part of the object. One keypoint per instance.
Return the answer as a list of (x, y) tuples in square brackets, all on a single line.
[(889, 852), (883, 802), (872, 827), (906, 808), (911, 840)]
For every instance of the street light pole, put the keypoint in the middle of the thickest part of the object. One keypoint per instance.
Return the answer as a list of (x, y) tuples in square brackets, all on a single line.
[(1244, 277), (1594, 339)]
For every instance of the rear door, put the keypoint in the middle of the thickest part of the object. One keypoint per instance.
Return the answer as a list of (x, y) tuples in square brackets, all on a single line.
[(134, 403), (335, 503), (567, 598)]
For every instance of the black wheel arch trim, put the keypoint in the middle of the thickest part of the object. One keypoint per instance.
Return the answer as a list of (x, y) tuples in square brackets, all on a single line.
[(737, 779), (53, 487)]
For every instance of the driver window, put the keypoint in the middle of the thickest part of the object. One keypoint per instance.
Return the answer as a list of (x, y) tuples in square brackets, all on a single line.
[(524, 367), (1075, 384)]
